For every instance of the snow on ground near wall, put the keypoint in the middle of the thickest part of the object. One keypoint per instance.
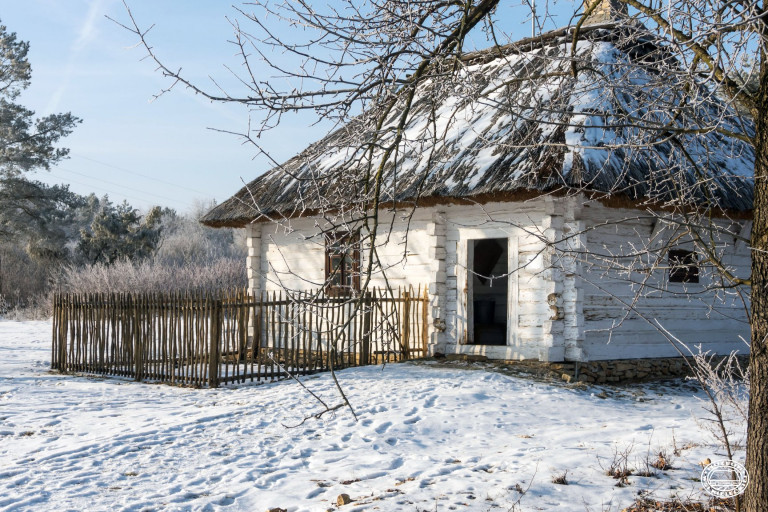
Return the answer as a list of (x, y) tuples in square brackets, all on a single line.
[(429, 437)]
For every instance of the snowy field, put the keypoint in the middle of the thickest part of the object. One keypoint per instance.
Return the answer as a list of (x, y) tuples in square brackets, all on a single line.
[(429, 438)]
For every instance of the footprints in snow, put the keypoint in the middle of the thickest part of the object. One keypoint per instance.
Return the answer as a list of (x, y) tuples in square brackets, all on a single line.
[(412, 417)]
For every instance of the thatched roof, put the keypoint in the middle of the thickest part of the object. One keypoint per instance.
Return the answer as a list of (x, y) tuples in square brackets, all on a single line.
[(515, 120)]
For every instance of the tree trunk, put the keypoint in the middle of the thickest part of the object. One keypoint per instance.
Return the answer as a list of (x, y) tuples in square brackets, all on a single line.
[(756, 496)]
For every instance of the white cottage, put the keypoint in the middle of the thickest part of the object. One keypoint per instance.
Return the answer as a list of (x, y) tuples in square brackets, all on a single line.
[(544, 226)]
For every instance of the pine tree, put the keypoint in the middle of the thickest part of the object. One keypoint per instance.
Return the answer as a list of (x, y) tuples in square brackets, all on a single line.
[(29, 210), (119, 232)]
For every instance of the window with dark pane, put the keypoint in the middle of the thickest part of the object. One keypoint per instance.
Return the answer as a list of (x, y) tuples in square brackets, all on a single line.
[(683, 266), (342, 262)]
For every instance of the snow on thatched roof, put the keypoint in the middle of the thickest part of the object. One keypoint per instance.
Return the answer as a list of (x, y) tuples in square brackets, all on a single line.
[(516, 120)]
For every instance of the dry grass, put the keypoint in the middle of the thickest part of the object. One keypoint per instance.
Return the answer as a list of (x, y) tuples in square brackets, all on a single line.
[(619, 467), (560, 478), (652, 505)]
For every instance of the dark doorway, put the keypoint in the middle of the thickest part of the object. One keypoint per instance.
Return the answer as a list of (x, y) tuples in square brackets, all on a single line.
[(489, 290)]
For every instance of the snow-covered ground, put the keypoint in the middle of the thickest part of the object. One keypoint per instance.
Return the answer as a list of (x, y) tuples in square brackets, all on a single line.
[(430, 437)]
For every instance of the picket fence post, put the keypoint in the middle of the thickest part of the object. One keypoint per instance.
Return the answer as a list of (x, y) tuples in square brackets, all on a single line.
[(215, 355)]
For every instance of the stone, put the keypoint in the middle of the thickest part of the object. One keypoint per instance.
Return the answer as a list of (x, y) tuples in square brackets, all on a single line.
[(343, 499)]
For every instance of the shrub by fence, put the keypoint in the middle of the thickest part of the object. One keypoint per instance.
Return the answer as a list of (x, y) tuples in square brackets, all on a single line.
[(203, 340)]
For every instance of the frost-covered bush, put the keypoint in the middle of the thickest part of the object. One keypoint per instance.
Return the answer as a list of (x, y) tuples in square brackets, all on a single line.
[(120, 251), (186, 241), (155, 276), (22, 277), (39, 307)]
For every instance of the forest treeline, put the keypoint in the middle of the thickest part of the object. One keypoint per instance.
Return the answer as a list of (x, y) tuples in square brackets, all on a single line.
[(91, 244)]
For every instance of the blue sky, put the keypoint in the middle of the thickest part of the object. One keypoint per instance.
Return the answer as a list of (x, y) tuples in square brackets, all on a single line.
[(148, 152)]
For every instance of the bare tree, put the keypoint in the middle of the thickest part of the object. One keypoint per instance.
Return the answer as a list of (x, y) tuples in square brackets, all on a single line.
[(670, 125)]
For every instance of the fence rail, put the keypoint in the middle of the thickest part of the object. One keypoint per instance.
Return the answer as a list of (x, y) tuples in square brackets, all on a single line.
[(202, 340)]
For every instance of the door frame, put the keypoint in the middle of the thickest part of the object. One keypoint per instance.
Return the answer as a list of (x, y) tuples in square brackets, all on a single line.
[(464, 289)]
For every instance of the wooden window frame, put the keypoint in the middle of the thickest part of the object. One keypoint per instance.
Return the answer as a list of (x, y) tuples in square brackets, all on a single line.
[(683, 266), (333, 241)]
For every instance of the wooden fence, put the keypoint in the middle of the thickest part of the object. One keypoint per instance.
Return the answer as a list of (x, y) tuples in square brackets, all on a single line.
[(201, 340)]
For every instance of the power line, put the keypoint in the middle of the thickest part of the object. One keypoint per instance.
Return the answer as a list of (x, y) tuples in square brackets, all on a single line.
[(109, 191), (116, 184), (104, 190), (122, 169)]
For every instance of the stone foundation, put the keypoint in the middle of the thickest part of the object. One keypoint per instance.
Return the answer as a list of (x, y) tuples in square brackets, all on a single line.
[(623, 370), (602, 372)]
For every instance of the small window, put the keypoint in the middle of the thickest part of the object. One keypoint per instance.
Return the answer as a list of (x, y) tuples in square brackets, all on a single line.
[(342, 263), (683, 266)]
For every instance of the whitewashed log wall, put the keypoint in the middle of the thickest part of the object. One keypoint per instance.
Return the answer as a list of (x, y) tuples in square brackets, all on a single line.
[(560, 307), (715, 323), (291, 255)]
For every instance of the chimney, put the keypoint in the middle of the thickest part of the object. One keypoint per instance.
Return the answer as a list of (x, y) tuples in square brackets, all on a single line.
[(605, 12)]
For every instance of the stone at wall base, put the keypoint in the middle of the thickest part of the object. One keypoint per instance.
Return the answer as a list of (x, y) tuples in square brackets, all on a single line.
[(611, 371)]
